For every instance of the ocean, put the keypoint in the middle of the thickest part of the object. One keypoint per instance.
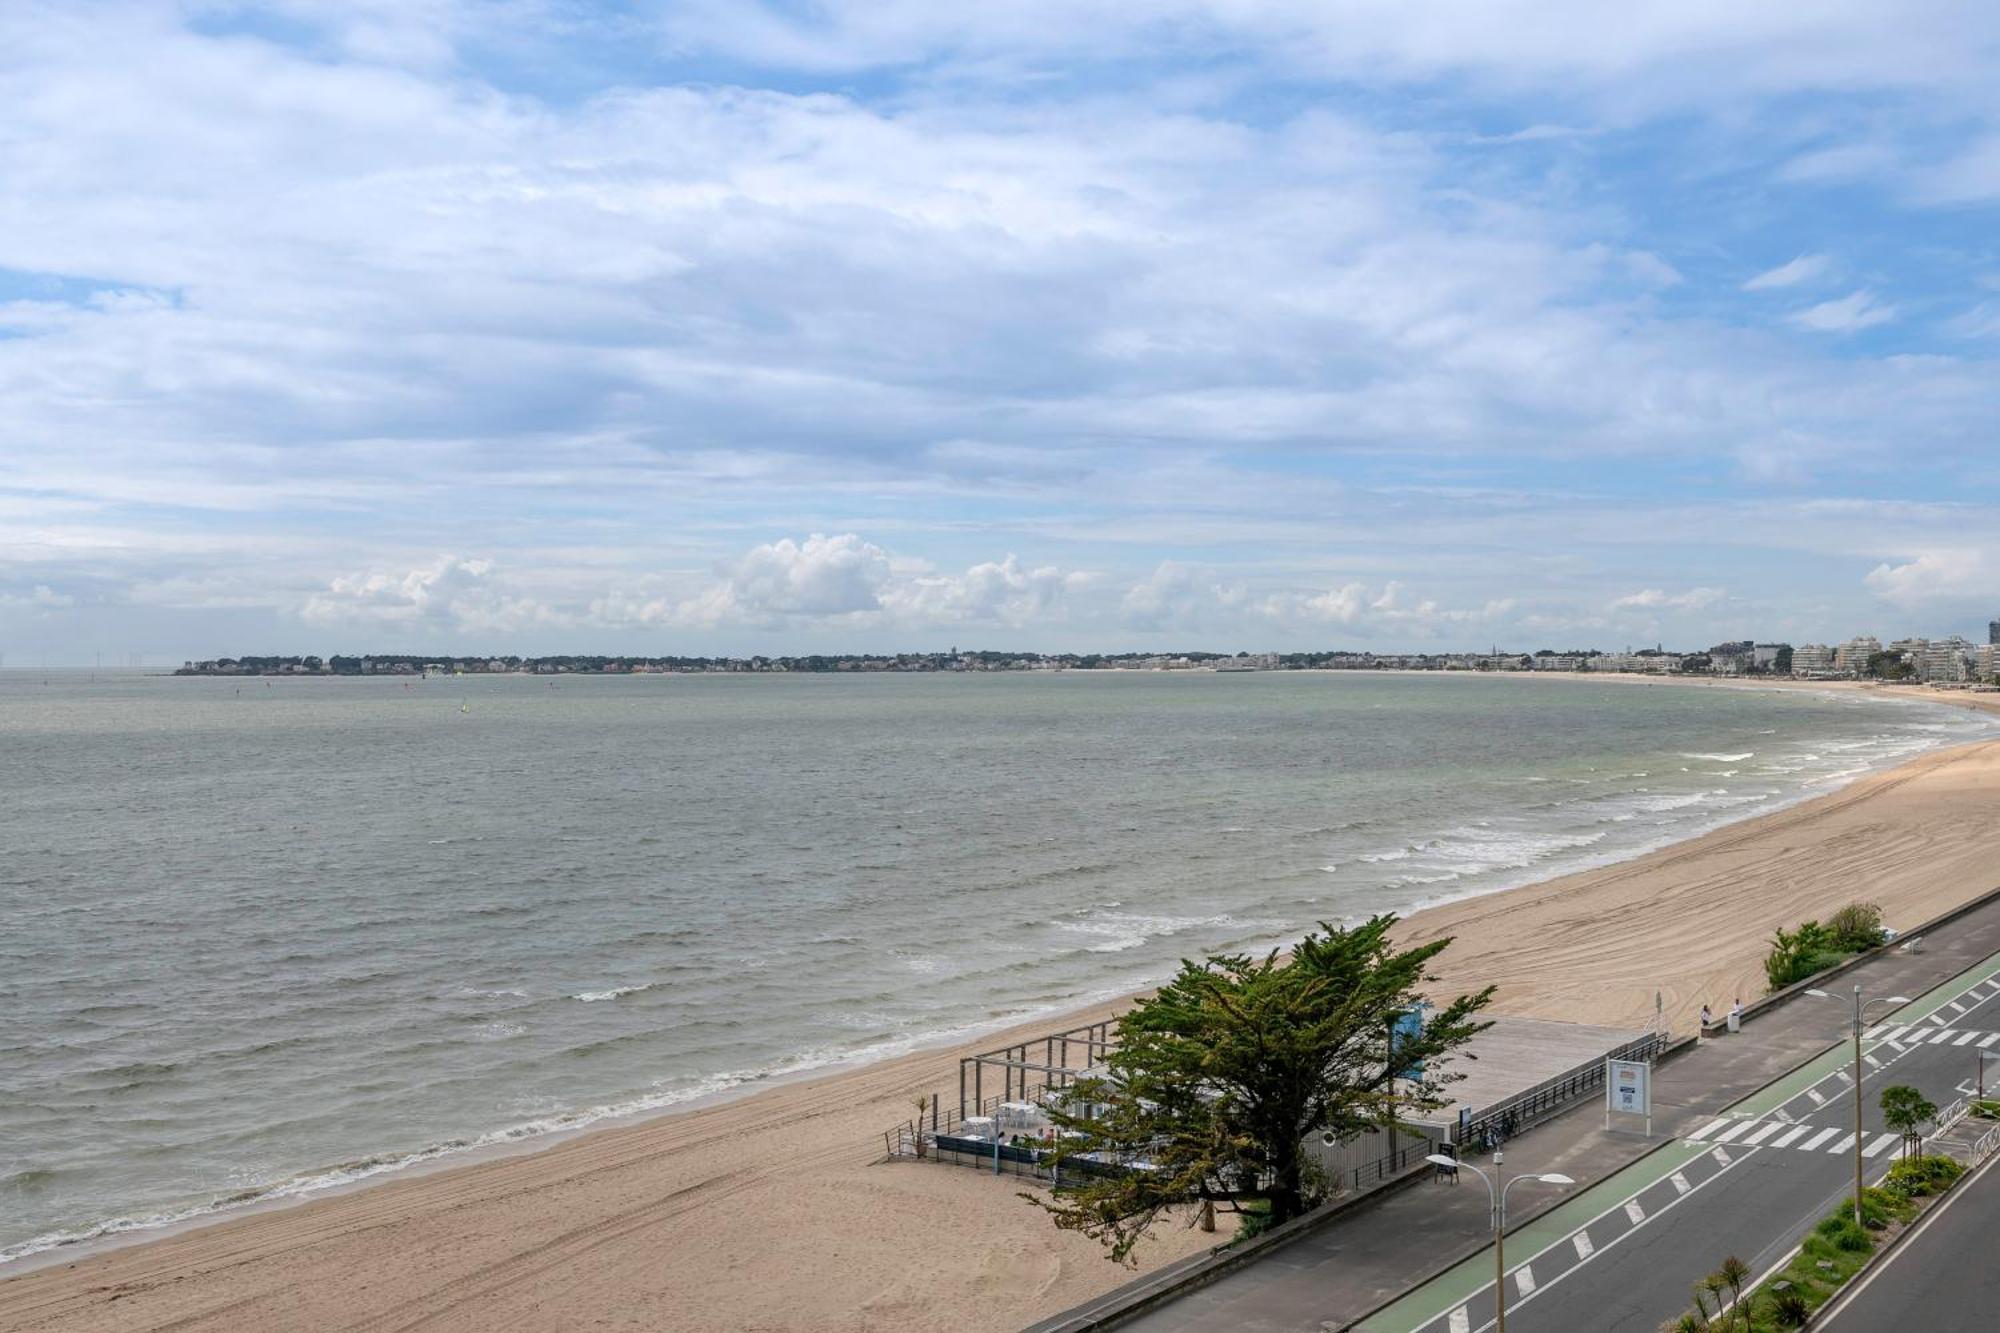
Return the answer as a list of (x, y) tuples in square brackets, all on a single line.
[(262, 938)]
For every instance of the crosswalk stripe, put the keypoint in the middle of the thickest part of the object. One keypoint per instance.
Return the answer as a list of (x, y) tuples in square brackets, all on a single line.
[(1817, 1139), (1873, 1063), (1988, 1040), (1524, 1278), (1878, 1145), (1680, 1181), (1817, 1100), (1584, 1249), (1964, 1039), (1730, 1133), (1934, 1018), (1721, 1156), (1844, 1144), (1706, 1130), (1958, 1008), (1872, 1033), (1460, 1321), (1764, 1133), (1785, 1140), (1634, 1211), (1894, 1032), (1941, 1037)]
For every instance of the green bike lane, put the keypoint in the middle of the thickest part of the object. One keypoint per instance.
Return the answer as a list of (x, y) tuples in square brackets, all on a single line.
[(1466, 1285)]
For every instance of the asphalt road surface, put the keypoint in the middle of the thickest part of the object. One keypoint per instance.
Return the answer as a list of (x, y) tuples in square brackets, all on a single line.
[(1943, 1279), (1623, 1256)]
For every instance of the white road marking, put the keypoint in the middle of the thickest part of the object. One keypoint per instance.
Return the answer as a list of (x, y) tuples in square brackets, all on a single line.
[(1873, 1063), (1817, 1139), (1634, 1211), (1874, 1032), (1764, 1133), (1988, 1040), (1845, 1143), (1817, 1100), (1964, 1039), (1524, 1278), (1460, 1321), (1730, 1133), (1941, 1037), (1894, 1032), (1584, 1249), (1958, 1008), (1680, 1181), (1934, 1018), (1878, 1145), (1785, 1140), (1722, 1157), (1706, 1129)]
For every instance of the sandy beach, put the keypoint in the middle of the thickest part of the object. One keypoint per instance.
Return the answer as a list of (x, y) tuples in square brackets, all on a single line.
[(775, 1212)]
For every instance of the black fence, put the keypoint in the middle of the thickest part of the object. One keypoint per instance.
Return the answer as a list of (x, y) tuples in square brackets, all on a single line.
[(1385, 1169), (1497, 1123)]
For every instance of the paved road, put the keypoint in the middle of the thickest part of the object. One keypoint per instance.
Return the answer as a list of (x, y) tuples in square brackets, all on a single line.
[(1364, 1256), (1943, 1279), (1622, 1256)]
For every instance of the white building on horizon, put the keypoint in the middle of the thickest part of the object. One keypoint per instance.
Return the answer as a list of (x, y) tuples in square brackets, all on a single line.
[(1851, 658)]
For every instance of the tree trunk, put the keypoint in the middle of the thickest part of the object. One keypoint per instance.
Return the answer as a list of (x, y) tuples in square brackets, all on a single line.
[(1287, 1186)]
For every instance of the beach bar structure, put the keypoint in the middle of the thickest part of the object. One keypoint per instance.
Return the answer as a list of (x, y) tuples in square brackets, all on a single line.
[(1066, 1056)]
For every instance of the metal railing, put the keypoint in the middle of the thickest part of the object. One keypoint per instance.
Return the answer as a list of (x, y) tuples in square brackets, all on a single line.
[(1983, 1146), (1509, 1116), (1384, 1169)]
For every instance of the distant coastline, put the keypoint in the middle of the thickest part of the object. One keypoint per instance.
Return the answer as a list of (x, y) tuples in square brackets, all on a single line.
[(1748, 668)]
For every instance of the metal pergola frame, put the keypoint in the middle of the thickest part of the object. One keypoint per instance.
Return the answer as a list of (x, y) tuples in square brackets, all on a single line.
[(1055, 1066)]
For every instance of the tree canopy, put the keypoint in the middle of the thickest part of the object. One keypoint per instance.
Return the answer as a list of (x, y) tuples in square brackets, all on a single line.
[(1907, 1111), (1218, 1079)]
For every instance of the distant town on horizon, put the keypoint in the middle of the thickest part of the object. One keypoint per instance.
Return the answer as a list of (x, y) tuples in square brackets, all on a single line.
[(1952, 660)]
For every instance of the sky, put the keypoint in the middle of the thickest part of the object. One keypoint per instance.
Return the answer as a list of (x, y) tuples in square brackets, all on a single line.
[(756, 327)]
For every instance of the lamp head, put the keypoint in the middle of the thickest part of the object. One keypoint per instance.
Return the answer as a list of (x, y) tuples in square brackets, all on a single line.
[(1439, 1159), (1555, 1178), (1817, 993)]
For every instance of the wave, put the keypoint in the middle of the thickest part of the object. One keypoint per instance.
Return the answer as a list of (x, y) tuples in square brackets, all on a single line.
[(594, 996), (1721, 758), (660, 1098)]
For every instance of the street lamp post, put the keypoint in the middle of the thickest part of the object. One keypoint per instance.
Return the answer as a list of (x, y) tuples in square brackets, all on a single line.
[(1497, 1214), (1860, 1011)]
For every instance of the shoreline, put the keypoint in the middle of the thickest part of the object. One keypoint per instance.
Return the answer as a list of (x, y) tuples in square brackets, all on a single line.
[(849, 1105), (513, 1141)]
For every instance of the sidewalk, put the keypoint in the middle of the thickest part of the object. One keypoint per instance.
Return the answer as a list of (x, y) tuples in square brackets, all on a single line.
[(1336, 1274)]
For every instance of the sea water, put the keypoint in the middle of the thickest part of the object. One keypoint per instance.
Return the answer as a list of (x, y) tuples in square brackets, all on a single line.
[(258, 938)]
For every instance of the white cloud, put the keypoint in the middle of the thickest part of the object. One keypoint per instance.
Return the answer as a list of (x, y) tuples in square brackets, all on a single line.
[(998, 593), (1176, 596), (449, 594), (1694, 599), (1846, 314), (1790, 274), (1355, 604), (821, 576), (40, 597), (1937, 575), (845, 579)]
